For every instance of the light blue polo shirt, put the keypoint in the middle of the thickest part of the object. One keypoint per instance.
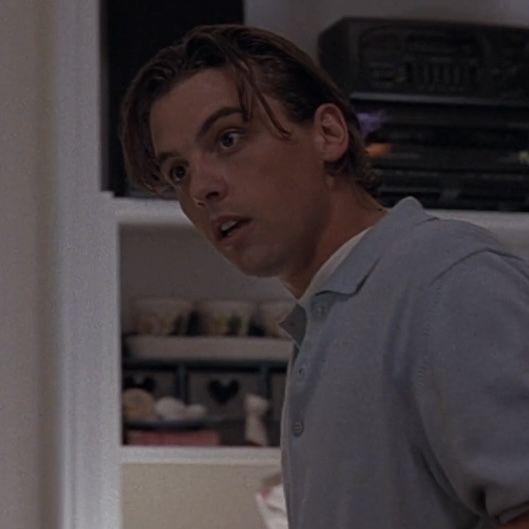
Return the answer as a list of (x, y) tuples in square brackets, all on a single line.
[(407, 401)]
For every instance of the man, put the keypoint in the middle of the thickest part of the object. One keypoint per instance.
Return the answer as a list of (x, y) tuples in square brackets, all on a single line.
[(407, 402)]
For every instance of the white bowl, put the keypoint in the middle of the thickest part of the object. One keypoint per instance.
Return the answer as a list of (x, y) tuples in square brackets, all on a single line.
[(224, 317), (162, 316), (138, 404), (170, 408)]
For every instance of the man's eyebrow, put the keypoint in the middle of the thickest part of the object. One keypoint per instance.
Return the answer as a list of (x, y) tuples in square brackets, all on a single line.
[(202, 131), (212, 118)]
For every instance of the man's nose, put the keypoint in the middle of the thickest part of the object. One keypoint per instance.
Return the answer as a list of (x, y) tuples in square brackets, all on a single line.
[(207, 183)]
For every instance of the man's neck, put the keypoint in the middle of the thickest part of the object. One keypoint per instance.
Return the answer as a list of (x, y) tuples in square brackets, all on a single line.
[(351, 215)]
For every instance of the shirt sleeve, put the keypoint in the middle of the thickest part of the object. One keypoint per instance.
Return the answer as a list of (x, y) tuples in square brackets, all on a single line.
[(474, 402)]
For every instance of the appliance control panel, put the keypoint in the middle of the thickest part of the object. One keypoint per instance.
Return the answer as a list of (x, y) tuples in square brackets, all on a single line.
[(436, 61)]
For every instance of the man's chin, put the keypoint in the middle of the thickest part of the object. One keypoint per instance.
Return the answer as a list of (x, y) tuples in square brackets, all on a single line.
[(255, 267)]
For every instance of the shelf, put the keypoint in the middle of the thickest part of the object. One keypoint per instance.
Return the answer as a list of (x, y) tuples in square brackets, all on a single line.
[(207, 349), (174, 425), (137, 212), (190, 425), (192, 365), (223, 455)]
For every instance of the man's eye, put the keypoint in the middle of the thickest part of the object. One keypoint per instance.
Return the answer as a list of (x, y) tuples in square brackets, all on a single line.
[(176, 174), (229, 139)]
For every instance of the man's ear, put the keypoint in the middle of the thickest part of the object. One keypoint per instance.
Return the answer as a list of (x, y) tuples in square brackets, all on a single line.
[(331, 132)]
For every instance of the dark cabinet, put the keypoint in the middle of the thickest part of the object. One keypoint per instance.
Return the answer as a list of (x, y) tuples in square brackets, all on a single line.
[(132, 32)]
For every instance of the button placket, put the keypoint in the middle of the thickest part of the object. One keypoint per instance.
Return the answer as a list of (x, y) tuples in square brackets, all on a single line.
[(297, 428), (301, 363), (319, 309), (300, 371)]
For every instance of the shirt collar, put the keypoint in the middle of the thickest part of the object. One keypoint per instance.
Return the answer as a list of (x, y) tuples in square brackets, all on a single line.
[(327, 269), (389, 230), (356, 265)]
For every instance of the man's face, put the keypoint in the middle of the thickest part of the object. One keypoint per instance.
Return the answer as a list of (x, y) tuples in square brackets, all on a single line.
[(260, 199)]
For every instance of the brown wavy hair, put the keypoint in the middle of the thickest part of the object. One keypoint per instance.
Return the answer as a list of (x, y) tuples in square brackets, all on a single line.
[(261, 63)]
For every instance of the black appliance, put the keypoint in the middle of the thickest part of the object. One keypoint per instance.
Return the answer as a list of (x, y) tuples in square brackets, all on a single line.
[(450, 103)]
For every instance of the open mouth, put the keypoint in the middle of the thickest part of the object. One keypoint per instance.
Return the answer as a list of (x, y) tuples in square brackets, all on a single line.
[(228, 228)]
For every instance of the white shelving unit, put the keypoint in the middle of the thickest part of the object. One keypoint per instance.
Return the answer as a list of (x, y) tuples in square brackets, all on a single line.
[(162, 226), (159, 216)]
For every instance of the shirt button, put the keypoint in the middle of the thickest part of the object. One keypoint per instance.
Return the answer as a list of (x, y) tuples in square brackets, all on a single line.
[(321, 310), (301, 371), (298, 428)]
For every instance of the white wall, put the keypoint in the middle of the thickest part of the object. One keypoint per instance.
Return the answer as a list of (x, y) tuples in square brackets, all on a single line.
[(22, 169), (56, 249), (297, 20)]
